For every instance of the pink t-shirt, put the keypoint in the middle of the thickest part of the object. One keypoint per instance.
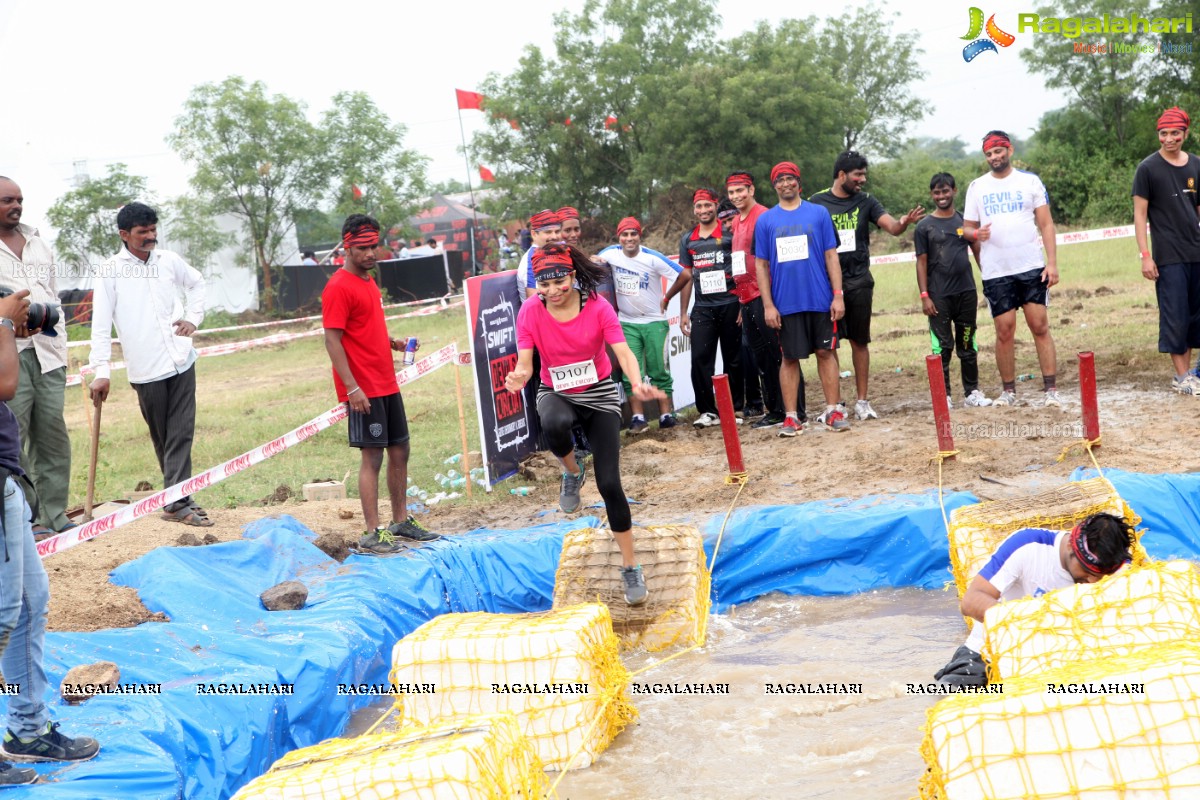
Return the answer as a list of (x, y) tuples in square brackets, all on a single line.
[(563, 343)]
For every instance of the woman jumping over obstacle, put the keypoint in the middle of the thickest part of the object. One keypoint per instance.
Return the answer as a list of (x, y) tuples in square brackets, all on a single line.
[(569, 327)]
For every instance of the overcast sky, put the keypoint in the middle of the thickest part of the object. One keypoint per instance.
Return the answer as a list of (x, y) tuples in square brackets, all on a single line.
[(101, 82)]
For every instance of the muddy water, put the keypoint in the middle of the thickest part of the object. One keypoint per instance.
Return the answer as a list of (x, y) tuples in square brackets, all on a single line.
[(749, 744)]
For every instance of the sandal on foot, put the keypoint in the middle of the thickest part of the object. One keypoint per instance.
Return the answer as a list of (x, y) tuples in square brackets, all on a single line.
[(188, 516)]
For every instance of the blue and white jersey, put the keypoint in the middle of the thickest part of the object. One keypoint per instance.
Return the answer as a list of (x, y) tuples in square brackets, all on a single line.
[(1026, 564), (639, 282)]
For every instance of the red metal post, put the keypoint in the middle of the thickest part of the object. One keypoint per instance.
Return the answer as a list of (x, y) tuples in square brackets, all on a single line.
[(733, 443), (941, 410), (1087, 394)]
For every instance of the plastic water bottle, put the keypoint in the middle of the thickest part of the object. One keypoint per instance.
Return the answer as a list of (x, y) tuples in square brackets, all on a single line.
[(410, 351), (522, 491), (458, 483), (844, 374), (442, 480), (452, 473), (414, 491), (1024, 377), (454, 459)]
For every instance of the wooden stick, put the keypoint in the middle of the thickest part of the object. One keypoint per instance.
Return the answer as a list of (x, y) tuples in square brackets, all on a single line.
[(91, 486), (462, 428)]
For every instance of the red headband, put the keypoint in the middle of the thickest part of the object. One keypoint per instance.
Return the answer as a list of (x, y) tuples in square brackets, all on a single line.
[(567, 212), (1174, 118), (544, 219), (1080, 549), (552, 261), (629, 224), (704, 194), (784, 168), (995, 140), (363, 237), (739, 179)]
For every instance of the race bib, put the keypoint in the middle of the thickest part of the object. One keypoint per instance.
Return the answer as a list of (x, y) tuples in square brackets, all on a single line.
[(627, 284), (791, 248), (847, 241), (572, 376), (739, 263), (712, 281)]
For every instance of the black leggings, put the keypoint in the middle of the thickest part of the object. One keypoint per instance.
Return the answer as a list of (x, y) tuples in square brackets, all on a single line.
[(603, 429)]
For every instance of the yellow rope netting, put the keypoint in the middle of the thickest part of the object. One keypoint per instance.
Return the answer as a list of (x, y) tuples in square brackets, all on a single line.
[(1140, 606), (1117, 729), (484, 757)]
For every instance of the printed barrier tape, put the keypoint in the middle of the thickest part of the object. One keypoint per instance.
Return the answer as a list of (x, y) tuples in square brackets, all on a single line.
[(90, 530), (447, 298), (275, 338), (1096, 235)]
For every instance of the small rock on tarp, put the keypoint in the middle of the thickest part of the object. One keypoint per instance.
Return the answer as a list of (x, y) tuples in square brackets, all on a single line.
[(101, 673), (286, 596)]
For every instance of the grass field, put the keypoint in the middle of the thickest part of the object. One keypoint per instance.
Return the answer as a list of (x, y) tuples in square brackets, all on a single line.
[(1102, 304)]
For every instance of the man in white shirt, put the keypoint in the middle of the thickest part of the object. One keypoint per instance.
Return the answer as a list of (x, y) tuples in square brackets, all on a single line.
[(544, 227), (26, 262), (1008, 213), (138, 291)]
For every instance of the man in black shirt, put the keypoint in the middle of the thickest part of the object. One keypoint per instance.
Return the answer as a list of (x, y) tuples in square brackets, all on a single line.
[(1165, 190), (24, 591), (705, 255), (853, 212), (947, 287)]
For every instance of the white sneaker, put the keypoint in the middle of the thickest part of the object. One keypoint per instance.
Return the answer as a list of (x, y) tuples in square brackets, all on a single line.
[(1052, 399), (863, 410), (1006, 399), (707, 420), (978, 399), (949, 401), (1188, 384)]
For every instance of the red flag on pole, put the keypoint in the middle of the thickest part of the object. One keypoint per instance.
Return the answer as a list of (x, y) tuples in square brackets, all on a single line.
[(512, 123), (357, 192), (567, 121), (486, 175), (469, 100), (610, 122)]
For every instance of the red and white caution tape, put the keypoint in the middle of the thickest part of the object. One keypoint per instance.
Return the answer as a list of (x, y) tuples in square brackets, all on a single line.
[(90, 530)]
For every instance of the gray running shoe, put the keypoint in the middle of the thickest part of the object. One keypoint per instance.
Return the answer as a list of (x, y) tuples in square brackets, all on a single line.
[(1006, 399), (835, 420), (16, 776), (568, 495), (50, 745), (380, 542), (411, 529), (635, 585)]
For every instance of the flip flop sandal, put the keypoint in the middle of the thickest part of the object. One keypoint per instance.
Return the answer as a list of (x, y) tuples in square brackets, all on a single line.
[(187, 516)]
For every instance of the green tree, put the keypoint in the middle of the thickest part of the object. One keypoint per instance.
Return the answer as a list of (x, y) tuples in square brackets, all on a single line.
[(86, 216), (255, 156), (366, 151), (1176, 73), (190, 226)]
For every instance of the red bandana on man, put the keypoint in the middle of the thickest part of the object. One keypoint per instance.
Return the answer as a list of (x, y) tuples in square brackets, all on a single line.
[(1174, 118)]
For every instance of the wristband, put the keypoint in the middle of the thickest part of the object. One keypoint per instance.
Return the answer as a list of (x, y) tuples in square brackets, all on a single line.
[(352, 391), (838, 291), (1145, 254), (924, 294)]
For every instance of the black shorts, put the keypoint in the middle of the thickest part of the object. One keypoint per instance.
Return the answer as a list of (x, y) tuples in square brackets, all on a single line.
[(1014, 291), (1178, 291), (806, 332), (385, 425), (856, 324)]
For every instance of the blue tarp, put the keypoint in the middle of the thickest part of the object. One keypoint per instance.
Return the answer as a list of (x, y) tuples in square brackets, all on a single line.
[(181, 744), (1169, 506)]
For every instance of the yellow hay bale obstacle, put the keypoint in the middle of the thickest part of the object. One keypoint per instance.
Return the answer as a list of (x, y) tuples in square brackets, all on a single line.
[(559, 672), (677, 581), (1126, 728), (474, 758), (977, 530), (1153, 604)]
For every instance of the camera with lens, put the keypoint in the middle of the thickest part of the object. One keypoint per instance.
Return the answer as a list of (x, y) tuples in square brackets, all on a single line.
[(41, 315)]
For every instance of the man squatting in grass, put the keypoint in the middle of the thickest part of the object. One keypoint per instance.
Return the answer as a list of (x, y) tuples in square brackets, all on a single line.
[(138, 294), (705, 255), (947, 286), (800, 279), (1030, 563), (854, 212), (1015, 204), (763, 339), (1166, 193), (570, 326), (639, 273), (356, 338), (24, 591)]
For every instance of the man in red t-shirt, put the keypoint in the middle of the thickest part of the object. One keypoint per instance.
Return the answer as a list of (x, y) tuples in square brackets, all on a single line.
[(357, 340), (763, 339)]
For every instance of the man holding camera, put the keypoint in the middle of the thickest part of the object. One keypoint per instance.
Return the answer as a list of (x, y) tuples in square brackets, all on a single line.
[(24, 590), (26, 262)]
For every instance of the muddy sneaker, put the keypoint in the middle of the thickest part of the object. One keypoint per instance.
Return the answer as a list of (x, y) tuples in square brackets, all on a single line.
[(1052, 399), (1188, 384), (707, 420), (769, 421), (754, 410), (834, 420), (1006, 399), (638, 425), (863, 410), (16, 776), (380, 542), (977, 399), (667, 421), (568, 495), (49, 746), (635, 585), (411, 529), (791, 427)]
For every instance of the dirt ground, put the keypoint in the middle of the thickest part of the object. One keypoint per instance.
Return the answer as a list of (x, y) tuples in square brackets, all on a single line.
[(678, 476)]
